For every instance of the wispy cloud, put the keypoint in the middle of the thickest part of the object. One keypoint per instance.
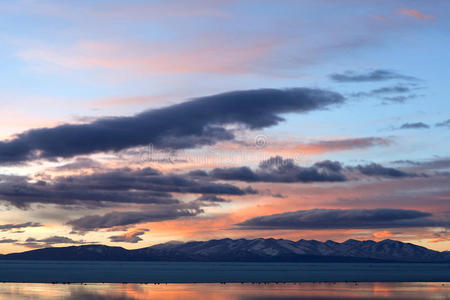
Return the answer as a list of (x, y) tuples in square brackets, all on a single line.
[(151, 59), (49, 241), (417, 14), (9, 227), (417, 125), (444, 123), (374, 75)]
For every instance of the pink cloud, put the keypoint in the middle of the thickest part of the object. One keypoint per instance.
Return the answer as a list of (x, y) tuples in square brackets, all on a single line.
[(417, 14), (203, 56), (380, 18)]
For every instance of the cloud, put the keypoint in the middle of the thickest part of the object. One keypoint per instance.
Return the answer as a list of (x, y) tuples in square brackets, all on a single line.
[(374, 169), (398, 99), (293, 148), (416, 14), (148, 186), (437, 163), (144, 186), (383, 91), (417, 125), (8, 227), (277, 169), (203, 54), (212, 198), (125, 218), (7, 241), (343, 219), (438, 240), (80, 163), (415, 192), (443, 124), (382, 234), (55, 240), (190, 124), (391, 89), (397, 93), (130, 237), (345, 144), (375, 75), (49, 242)]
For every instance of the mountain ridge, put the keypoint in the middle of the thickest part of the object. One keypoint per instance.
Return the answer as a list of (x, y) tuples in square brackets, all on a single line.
[(244, 250)]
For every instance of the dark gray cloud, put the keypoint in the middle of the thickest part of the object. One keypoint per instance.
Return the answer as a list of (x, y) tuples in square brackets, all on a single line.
[(397, 89), (398, 99), (126, 218), (8, 227), (418, 125), (343, 219), (7, 241), (406, 162), (132, 237), (443, 124), (190, 124), (390, 94), (374, 169), (212, 198), (145, 186), (375, 75), (110, 188), (391, 89), (277, 169), (49, 242), (55, 240)]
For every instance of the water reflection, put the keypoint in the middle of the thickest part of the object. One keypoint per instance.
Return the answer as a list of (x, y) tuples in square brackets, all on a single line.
[(289, 291)]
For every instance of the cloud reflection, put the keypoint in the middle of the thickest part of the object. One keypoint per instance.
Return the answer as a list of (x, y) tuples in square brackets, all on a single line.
[(256, 291)]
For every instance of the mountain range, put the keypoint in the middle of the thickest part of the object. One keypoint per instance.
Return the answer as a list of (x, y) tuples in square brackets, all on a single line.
[(243, 250)]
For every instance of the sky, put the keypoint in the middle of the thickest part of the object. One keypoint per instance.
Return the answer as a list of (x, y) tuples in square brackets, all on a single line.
[(133, 123)]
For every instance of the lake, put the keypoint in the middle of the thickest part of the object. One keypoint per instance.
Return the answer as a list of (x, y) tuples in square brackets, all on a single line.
[(216, 272), (234, 291)]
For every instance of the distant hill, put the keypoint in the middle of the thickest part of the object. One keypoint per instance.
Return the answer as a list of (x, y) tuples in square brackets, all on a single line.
[(257, 250)]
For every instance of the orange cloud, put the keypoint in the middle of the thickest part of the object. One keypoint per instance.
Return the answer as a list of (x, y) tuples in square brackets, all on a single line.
[(382, 234), (339, 145), (417, 14), (437, 240), (296, 149)]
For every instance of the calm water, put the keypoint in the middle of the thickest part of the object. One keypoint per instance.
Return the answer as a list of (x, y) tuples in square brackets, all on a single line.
[(215, 291), (192, 272)]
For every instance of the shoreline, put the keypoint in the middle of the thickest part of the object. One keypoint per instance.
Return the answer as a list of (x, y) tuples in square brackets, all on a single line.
[(444, 283)]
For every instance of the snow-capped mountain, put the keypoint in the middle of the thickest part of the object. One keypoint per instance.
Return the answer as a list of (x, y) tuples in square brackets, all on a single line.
[(257, 250)]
